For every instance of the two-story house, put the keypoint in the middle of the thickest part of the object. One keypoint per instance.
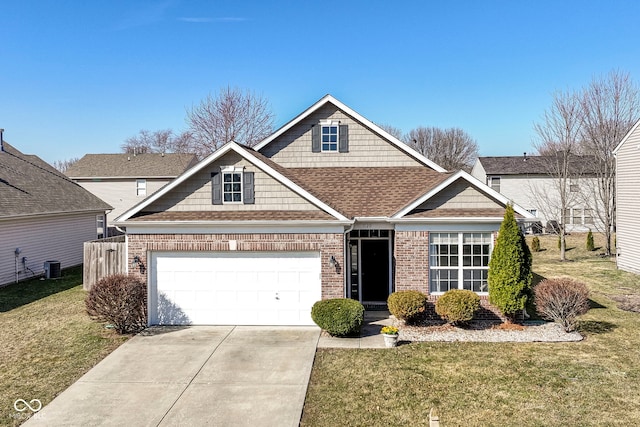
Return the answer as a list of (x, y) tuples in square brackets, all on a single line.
[(532, 182), (123, 180), (328, 206)]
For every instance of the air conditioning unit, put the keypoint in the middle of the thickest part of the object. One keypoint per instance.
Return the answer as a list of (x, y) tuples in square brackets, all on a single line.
[(52, 269)]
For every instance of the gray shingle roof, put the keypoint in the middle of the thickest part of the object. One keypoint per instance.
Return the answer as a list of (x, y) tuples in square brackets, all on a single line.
[(148, 165), (30, 186), (532, 165)]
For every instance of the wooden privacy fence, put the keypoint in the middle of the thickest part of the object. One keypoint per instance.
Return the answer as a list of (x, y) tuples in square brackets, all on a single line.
[(102, 258)]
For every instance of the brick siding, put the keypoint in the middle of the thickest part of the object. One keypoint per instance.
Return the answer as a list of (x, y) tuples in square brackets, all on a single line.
[(327, 244), (412, 261)]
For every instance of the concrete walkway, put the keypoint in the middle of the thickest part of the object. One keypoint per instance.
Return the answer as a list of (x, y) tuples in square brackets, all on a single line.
[(205, 375), (370, 336)]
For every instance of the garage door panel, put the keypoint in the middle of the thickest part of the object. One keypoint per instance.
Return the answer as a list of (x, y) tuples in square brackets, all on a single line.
[(269, 288)]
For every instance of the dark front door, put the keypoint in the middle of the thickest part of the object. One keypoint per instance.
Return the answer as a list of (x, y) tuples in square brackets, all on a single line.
[(375, 270)]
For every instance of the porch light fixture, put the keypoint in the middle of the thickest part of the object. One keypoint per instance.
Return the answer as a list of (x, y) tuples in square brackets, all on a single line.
[(137, 262), (332, 261)]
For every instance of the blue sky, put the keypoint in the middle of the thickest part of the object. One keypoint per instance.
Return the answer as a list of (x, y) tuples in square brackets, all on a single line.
[(81, 76)]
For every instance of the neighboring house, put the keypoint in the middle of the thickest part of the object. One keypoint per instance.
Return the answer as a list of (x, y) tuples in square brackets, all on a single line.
[(122, 180), (44, 216), (628, 201), (526, 181), (329, 206)]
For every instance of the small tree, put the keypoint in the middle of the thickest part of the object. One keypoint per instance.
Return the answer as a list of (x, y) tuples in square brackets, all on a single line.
[(590, 245), (535, 244), (510, 273)]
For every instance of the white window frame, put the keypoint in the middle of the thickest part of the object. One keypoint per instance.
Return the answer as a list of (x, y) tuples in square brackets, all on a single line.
[(491, 184), (232, 170), (141, 187), (100, 226), (329, 124), (460, 268)]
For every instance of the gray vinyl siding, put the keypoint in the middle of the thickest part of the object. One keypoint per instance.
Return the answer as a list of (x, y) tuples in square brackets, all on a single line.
[(628, 204), (366, 148), (195, 193), (461, 195), (47, 238), (120, 193)]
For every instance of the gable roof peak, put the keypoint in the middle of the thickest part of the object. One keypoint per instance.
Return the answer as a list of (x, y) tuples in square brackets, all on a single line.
[(328, 98)]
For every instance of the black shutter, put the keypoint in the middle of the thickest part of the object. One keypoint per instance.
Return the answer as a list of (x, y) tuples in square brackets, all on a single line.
[(343, 146), (216, 188), (248, 193), (315, 139)]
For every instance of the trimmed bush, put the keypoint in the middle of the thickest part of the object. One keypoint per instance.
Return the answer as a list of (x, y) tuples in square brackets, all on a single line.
[(590, 245), (535, 244), (458, 305), (339, 316), (561, 300), (120, 300), (510, 272), (407, 305)]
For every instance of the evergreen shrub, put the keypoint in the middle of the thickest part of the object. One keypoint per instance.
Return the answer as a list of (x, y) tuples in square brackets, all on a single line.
[(510, 272), (458, 305), (407, 305), (338, 316)]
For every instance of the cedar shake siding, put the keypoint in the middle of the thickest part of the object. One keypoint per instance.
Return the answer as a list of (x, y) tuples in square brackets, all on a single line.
[(365, 148), (327, 244), (195, 194), (628, 202), (460, 195)]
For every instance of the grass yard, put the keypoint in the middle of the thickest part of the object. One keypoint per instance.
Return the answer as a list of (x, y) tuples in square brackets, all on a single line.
[(590, 383), (47, 341)]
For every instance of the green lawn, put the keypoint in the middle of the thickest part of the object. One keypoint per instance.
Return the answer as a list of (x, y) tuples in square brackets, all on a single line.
[(589, 383), (46, 341)]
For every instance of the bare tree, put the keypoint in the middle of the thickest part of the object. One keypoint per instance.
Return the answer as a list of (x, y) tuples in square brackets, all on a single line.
[(558, 135), (160, 141), (63, 165), (232, 114), (392, 130), (610, 106), (451, 148)]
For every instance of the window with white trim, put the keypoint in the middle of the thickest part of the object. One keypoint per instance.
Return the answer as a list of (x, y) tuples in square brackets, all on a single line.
[(231, 185), (141, 187), (494, 183), (459, 261), (329, 136), (100, 226)]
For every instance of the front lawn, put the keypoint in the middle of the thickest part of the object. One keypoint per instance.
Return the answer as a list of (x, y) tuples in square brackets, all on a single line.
[(47, 341), (589, 383)]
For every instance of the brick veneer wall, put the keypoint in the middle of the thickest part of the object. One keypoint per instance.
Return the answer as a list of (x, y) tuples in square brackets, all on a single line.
[(412, 272), (332, 278), (412, 261)]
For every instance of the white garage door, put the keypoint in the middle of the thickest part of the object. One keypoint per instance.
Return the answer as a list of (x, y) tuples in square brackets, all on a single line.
[(233, 288)]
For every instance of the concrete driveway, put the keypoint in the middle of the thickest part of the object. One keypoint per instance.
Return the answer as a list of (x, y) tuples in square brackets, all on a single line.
[(204, 375)]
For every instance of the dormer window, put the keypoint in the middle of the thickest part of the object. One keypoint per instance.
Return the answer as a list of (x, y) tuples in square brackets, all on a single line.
[(329, 135)]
